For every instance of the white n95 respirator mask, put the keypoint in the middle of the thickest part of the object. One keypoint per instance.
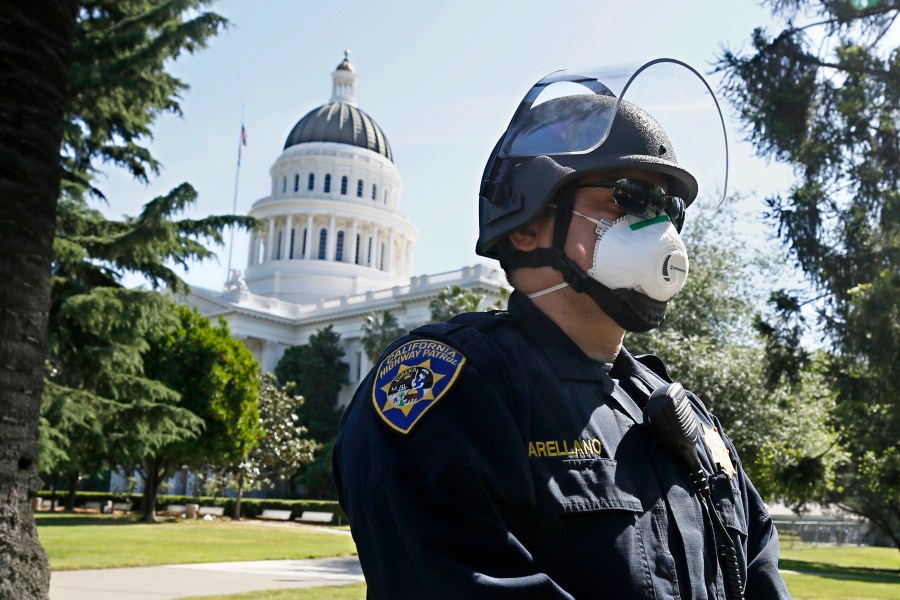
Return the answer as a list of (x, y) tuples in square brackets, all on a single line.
[(644, 255)]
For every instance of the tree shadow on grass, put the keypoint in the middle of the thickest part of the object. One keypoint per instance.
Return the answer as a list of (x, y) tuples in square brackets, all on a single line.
[(849, 573), (74, 519)]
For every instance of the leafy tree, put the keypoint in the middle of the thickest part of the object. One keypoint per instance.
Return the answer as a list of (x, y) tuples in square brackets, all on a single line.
[(217, 380), (35, 56), (378, 334), (284, 446), (318, 371), (452, 301), (98, 396), (710, 344), (823, 98)]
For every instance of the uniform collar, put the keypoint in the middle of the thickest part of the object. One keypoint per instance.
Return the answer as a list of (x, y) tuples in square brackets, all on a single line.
[(567, 358)]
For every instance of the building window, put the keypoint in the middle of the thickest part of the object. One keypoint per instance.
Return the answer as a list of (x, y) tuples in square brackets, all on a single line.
[(344, 185), (359, 188), (374, 192), (386, 190), (327, 189), (296, 183), (359, 364), (323, 241), (381, 258), (369, 256), (303, 249), (284, 185), (311, 182), (339, 251), (356, 258), (291, 251), (277, 252)]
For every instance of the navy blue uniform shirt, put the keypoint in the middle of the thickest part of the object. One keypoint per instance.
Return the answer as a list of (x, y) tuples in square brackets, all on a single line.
[(531, 472)]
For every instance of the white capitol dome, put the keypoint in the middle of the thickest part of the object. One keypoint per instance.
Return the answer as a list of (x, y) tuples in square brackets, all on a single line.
[(333, 226)]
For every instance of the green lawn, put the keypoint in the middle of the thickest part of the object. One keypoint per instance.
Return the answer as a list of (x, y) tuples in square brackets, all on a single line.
[(82, 541), (844, 573)]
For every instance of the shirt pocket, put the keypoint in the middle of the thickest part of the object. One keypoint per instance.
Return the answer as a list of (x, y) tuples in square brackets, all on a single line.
[(583, 485)]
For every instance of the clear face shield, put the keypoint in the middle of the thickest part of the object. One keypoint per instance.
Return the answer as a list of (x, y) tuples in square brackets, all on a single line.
[(670, 91)]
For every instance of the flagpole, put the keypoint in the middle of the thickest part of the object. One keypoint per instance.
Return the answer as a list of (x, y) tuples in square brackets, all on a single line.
[(237, 178)]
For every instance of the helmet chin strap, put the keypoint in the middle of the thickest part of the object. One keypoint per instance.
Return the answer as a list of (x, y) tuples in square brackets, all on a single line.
[(549, 290), (631, 310)]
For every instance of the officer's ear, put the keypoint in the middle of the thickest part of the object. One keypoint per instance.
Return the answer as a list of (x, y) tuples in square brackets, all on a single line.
[(535, 234), (524, 238)]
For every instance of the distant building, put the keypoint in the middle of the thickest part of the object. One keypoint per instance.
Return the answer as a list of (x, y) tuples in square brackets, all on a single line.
[(335, 246)]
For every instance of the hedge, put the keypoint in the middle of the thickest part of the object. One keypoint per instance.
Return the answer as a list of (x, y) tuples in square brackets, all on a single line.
[(250, 507)]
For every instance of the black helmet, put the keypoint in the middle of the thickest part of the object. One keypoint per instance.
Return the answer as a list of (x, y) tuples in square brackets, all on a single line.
[(517, 188)]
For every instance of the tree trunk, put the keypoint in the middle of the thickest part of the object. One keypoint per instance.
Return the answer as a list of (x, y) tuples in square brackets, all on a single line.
[(152, 480), (72, 492), (35, 55), (236, 515)]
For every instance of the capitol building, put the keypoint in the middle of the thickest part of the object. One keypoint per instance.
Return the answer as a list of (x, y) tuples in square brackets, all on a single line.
[(335, 246)]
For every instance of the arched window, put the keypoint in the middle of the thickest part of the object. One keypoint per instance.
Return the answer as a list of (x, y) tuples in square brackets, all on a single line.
[(297, 183), (311, 182), (323, 241), (359, 188), (327, 189), (356, 258), (344, 185), (374, 192), (339, 251)]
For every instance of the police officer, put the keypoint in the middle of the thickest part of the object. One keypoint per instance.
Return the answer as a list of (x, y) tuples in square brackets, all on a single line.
[(509, 454)]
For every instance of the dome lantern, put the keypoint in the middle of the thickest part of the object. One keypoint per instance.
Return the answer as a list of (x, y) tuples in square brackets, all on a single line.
[(343, 79)]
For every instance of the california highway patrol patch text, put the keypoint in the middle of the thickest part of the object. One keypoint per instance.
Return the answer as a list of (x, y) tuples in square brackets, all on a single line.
[(412, 379)]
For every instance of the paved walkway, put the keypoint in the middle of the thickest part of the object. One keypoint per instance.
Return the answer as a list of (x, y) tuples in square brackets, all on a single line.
[(181, 581)]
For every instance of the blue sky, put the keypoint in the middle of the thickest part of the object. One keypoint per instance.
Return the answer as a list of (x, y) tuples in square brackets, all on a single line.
[(442, 79)]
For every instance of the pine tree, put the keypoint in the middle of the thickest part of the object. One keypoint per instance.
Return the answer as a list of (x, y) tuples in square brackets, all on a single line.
[(822, 97)]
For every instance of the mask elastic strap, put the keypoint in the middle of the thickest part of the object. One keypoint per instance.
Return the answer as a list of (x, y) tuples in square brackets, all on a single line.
[(549, 290)]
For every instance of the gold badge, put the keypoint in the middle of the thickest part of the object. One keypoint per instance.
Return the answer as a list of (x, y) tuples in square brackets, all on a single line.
[(719, 451)]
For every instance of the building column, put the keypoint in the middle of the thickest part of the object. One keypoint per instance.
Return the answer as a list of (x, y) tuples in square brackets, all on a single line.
[(307, 249), (251, 254), (389, 267), (375, 250), (286, 240), (353, 231), (270, 243), (330, 244)]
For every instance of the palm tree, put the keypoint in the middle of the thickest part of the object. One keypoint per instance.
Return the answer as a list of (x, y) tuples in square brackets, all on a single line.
[(378, 334), (35, 53)]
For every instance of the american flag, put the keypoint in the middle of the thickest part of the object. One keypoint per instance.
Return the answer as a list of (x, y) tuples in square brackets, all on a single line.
[(243, 135)]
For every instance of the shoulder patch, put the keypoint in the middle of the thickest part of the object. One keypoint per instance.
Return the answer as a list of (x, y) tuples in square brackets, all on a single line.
[(412, 379)]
